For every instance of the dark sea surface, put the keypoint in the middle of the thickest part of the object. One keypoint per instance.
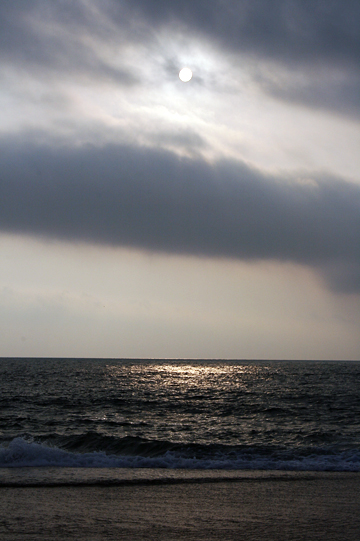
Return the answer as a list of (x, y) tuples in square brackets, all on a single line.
[(188, 415)]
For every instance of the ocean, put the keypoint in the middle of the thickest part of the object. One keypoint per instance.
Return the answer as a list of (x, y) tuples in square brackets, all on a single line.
[(168, 415), (171, 450)]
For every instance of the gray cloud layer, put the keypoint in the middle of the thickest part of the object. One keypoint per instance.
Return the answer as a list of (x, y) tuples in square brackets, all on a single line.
[(320, 39), (48, 39), (149, 199), (154, 200), (295, 30)]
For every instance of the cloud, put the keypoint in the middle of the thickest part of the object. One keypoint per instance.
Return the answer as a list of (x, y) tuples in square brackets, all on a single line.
[(329, 88), (67, 38), (296, 30), (153, 200), (296, 51), (311, 47), (287, 30)]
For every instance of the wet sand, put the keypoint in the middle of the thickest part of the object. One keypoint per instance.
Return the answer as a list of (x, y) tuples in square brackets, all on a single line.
[(304, 507)]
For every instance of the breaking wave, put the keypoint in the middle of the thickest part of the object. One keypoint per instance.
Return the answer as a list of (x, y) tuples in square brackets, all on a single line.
[(140, 453)]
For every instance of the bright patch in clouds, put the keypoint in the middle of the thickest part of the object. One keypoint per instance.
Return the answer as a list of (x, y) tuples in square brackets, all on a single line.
[(185, 75)]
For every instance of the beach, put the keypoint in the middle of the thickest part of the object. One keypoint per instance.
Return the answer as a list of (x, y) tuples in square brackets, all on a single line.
[(158, 450), (250, 506)]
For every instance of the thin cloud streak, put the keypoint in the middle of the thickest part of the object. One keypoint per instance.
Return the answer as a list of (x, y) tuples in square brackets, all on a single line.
[(153, 200)]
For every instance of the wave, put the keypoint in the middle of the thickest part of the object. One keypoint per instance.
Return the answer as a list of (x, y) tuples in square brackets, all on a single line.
[(21, 452)]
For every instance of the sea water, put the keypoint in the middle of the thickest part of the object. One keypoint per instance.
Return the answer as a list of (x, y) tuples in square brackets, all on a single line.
[(183, 415)]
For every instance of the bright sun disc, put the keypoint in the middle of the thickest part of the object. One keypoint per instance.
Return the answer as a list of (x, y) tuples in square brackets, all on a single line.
[(185, 75)]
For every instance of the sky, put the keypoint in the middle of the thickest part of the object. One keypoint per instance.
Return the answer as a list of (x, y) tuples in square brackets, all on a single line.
[(141, 216)]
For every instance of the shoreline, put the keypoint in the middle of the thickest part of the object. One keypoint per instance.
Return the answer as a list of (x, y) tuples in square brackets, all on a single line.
[(249, 506), (67, 477), (276, 506)]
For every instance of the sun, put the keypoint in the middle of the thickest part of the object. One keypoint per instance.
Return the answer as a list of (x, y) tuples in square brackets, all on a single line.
[(185, 74)]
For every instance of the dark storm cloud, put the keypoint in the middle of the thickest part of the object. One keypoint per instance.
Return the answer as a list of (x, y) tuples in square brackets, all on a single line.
[(153, 200)]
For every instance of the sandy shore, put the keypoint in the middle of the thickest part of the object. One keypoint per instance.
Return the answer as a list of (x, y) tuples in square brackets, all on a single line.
[(294, 507)]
